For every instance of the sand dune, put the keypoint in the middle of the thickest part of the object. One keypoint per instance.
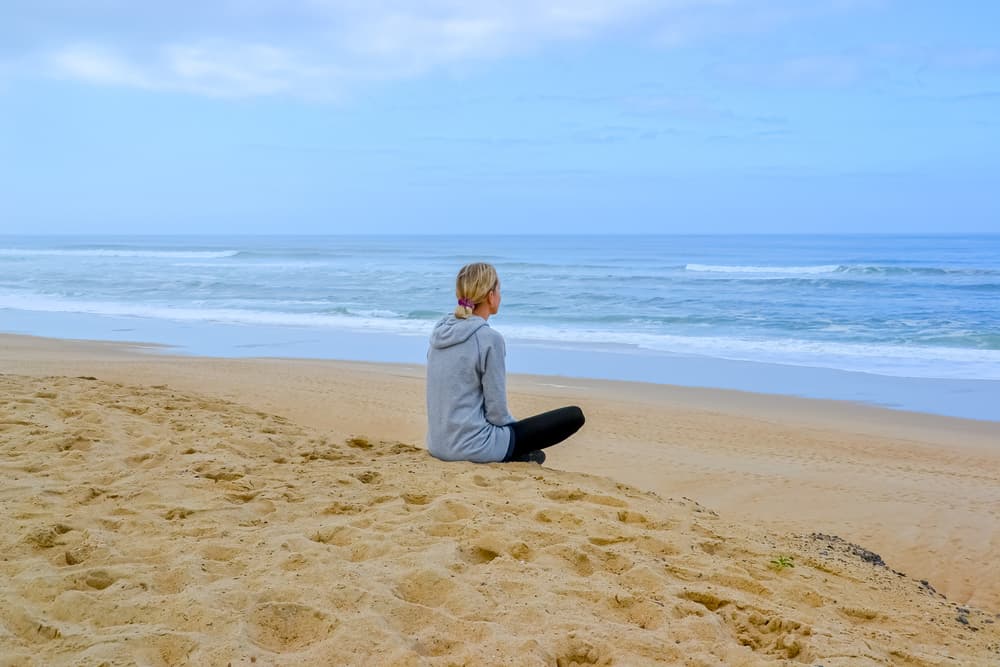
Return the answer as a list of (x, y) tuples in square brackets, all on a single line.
[(922, 490), (148, 525)]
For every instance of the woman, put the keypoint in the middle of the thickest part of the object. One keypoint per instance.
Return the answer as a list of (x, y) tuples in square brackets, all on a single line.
[(467, 416)]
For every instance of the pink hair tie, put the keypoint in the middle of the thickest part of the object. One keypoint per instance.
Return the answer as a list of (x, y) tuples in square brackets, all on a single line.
[(466, 303)]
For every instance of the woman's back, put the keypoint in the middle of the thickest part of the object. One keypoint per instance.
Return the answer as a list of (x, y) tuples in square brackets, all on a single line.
[(467, 415), (467, 392)]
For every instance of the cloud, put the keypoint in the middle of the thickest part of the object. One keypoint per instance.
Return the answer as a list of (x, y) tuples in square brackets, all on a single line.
[(311, 48), (215, 69), (321, 48), (891, 65), (97, 65), (713, 19)]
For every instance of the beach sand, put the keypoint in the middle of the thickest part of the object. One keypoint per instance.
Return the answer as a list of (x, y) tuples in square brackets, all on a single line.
[(165, 510)]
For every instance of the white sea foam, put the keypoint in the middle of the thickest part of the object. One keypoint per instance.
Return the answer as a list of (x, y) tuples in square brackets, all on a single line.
[(883, 359), (711, 268), (857, 269), (118, 252), (46, 304), (256, 265)]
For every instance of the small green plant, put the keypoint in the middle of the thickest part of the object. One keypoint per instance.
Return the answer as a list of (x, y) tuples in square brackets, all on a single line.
[(781, 562)]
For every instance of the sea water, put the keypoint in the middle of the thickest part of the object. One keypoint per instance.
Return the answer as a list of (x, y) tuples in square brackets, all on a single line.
[(910, 322)]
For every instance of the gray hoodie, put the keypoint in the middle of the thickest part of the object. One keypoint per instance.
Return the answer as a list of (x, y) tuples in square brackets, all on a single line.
[(467, 412)]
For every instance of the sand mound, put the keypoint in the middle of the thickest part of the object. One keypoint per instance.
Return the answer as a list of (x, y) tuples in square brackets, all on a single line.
[(144, 525)]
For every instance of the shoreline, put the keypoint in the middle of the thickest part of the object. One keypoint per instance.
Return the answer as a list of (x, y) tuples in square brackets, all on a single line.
[(877, 418), (961, 398), (919, 489)]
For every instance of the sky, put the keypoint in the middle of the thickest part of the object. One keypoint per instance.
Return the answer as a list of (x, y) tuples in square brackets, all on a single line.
[(499, 116)]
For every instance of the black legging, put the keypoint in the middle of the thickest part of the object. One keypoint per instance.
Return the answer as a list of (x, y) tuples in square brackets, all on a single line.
[(544, 430)]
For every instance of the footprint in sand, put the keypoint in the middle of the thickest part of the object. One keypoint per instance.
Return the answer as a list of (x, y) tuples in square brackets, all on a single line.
[(859, 613), (628, 516), (286, 626), (77, 554), (573, 495), (338, 536), (242, 497), (29, 628), (220, 474), (99, 579), (74, 442), (425, 587), (48, 536), (447, 511), (576, 652), (368, 476), (481, 552), (448, 519), (761, 631), (557, 517), (417, 498), (340, 507), (645, 613)]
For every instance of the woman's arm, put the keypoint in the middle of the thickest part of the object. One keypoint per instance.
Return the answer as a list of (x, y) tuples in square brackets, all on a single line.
[(495, 381)]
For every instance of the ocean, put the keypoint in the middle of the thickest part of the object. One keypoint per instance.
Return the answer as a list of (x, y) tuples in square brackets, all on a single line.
[(910, 322)]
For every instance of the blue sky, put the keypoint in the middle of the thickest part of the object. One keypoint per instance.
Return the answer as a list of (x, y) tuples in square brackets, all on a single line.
[(343, 116)]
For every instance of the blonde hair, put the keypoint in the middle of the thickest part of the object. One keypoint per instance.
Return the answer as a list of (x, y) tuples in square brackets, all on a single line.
[(473, 283)]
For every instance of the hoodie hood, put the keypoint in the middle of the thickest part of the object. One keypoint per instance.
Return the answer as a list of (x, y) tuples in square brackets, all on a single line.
[(453, 331)]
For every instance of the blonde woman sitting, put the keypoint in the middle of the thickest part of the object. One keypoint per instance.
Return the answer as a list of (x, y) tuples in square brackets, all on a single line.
[(467, 415)]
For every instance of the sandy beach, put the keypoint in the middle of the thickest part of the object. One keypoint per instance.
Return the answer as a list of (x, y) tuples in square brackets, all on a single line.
[(170, 510)]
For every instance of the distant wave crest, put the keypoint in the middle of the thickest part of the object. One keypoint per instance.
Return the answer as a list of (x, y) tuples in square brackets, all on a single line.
[(341, 318), (711, 268), (918, 271), (840, 268)]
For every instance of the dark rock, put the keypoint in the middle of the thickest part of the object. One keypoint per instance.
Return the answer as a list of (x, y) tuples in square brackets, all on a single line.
[(860, 552)]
